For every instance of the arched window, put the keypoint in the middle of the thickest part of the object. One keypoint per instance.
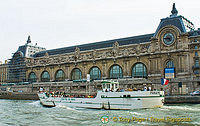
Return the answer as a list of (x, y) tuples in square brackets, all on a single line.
[(32, 77), (196, 54), (76, 74), (139, 70), (116, 72), (196, 64), (60, 75), (95, 73), (45, 77), (170, 64)]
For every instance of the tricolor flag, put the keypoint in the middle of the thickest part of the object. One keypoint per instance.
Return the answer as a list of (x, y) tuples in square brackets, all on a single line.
[(164, 81)]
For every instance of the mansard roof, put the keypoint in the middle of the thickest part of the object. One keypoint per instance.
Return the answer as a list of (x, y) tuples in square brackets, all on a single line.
[(98, 45), (180, 22), (183, 24), (194, 33)]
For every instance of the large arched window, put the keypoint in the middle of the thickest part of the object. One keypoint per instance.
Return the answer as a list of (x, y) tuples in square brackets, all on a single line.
[(76, 74), (32, 77), (170, 64), (116, 72), (196, 54), (60, 75), (95, 73), (139, 71), (45, 77), (196, 63)]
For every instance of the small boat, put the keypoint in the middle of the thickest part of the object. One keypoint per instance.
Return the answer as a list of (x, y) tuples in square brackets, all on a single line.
[(110, 97), (44, 100)]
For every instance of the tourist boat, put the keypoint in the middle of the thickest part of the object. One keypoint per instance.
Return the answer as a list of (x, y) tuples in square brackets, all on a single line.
[(109, 98)]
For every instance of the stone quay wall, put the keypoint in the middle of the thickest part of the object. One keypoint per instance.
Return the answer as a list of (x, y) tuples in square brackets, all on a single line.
[(29, 92), (19, 95), (182, 99)]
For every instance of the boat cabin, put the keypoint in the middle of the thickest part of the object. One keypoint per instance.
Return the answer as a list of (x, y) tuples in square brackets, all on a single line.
[(110, 86)]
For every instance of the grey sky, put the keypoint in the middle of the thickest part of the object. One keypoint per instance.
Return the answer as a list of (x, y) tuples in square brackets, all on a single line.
[(61, 23)]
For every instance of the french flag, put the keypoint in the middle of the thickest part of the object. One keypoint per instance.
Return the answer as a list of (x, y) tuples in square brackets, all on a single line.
[(164, 81)]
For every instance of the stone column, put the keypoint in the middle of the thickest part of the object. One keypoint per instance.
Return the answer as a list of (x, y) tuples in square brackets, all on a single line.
[(126, 68), (67, 72), (51, 73), (84, 74), (104, 74)]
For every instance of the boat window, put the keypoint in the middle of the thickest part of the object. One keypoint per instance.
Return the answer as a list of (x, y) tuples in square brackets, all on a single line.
[(103, 86), (124, 96), (129, 96), (112, 87), (108, 86)]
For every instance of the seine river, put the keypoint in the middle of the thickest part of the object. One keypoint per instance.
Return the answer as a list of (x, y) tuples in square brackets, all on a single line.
[(31, 113)]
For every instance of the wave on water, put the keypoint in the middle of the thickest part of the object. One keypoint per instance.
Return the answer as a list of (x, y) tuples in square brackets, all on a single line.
[(68, 108), (36, 103), (136, 113), (1, 124), (186, 108)]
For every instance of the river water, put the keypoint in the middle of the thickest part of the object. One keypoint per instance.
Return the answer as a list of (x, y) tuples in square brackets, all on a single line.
[(31, 113)]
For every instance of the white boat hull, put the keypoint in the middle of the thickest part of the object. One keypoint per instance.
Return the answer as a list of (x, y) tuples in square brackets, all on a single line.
[(112, 100)]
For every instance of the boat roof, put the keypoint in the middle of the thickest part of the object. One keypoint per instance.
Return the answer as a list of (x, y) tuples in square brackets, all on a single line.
[(111, 82)]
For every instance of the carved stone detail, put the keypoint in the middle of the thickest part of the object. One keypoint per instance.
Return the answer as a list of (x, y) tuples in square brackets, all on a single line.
[(90, 56), (77, 53), (115, 49)]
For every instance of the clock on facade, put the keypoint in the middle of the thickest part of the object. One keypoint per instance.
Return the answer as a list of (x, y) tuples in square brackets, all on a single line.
[(168, 38)]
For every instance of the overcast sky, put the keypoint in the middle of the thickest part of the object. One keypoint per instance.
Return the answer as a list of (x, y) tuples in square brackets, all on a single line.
[(61, 23)]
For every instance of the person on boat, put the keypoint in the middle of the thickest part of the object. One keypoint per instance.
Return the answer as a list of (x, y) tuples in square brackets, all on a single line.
[(149, 88), (122, 90), (112, 89), (41, 89), (129, 89), (145, 88)]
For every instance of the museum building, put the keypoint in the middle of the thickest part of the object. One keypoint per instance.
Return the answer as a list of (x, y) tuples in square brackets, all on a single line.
[(171, 52)]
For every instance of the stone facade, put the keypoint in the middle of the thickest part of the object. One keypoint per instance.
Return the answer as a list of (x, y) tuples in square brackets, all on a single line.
[(17, 65), (174, 44), (3, 73)]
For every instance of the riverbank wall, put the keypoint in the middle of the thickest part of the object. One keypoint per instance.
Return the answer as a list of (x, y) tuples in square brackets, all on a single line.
[(34, 96), (19, 95), (182, 99), (29, 92)]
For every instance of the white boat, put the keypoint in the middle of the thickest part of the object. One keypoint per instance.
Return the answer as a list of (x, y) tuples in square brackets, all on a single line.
[(110, 98)]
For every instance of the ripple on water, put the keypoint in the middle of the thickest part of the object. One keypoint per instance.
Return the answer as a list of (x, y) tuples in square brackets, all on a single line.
[(32, 113), (35, 103), (183, 108)]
